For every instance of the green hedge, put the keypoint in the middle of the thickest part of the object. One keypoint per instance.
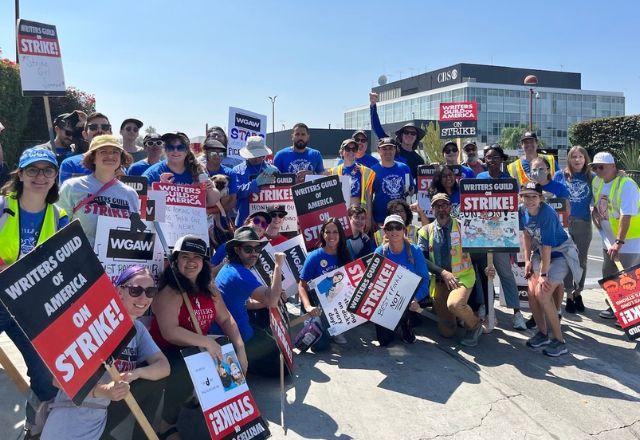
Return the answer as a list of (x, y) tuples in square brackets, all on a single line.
[(608, 134), (14, 109)]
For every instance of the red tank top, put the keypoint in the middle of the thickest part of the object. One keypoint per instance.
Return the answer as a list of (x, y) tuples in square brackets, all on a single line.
[(203, 307)]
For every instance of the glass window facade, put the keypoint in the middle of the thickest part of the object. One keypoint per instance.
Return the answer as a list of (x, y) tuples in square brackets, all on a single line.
[(500, 107)]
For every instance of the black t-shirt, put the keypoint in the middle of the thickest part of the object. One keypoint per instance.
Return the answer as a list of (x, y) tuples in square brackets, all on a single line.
[(412, 159)]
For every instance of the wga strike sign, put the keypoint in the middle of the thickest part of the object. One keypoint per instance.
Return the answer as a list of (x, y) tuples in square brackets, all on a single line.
[(623, 290), (243, 124), (185, 211), (66, 305), (40, 59), (458, 119), (275, 194)]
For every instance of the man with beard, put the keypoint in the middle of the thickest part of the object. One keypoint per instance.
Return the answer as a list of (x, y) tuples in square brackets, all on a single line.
[(65, 128), (473, 161), (299, 159)]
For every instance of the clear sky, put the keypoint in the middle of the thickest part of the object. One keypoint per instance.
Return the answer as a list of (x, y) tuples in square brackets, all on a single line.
[(180, 64)]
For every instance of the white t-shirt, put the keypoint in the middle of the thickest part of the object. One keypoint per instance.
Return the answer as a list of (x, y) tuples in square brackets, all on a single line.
[(629, 199)]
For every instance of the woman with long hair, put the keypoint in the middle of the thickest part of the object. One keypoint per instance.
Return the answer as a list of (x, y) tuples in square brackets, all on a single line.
[(444, 181), (28, 217), (332, 253), (189, 276), (179, 166), (577, 177)]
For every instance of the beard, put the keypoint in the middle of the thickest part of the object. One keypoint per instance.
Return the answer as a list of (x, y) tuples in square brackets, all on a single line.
[(300, 145)]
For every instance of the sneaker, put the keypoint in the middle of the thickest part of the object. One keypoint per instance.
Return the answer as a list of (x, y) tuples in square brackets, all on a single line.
[(570, 306), (340, 339), (471, 337), (406, 333), (518, 321), (607, 314), (579, 304), (556, 348), (531, 322), (538, 340)]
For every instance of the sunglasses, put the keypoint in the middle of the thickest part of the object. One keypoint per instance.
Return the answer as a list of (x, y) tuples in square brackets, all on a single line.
[(256, 221), (95, 127), (393, 227), (251, 249), (360, 140), (154, 143), (48, 172), (130, 128), (215, 153), (278, 214), (351, 149), (450, 150), (180, 148), (597, 167), (136, 291), (410, 133)]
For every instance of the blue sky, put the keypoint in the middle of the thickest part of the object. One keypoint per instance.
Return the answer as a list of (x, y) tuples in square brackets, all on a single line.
[(179, 65)]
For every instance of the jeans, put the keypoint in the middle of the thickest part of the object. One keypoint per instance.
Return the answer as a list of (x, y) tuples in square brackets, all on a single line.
[(581, 233), (502, 263)]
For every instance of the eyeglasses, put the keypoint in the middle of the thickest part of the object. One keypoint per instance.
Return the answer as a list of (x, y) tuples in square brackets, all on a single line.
[(360, 140), (136, 291), (130, 128), (278, 215), (256, 221), (211, 153), (157, 143), (352, 149), (95, 127), (450, 150), (410, 133), (251, 249), (393, 227), (47, 172), (180, 148)]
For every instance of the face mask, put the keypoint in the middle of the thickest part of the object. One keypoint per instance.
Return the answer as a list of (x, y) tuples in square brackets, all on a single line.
[(538, 175)]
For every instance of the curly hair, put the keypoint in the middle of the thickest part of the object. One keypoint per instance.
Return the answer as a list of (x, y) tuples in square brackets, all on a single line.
[(436, 184)]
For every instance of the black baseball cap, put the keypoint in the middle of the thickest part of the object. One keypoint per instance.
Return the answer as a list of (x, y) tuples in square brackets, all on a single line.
[(191, 243), (277, 208), (135, 121), (446, 144), (531, 188), (168, 137), (528, 135), (213, 144)]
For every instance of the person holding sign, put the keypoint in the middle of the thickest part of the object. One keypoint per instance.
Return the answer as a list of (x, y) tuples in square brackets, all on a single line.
[(549, 255), (398, 249), (189, 279), (520, 168), (100, 193), (141, 365), (241, 290), (299, 159), (331, 254), (28, 217), (455, 277)]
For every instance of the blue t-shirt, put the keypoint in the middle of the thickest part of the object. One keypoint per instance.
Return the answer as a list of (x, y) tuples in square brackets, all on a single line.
[(367, 160), (486, 175), (558, 189), (544, 227), (246, 185), (219, 255), (290, 161), (154, 171), (72, 167), (580, 194), (467, 173), (389, 184), (356, 179), (419, 266), (318, 262), (30, 226), (236, 284), (138, 168), (233, 182)]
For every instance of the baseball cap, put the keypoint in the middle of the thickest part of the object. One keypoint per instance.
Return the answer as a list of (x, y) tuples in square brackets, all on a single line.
[(469, 142), (104, 140), (531, 188), (440, 197), (191, 243), (528, 135), (151, 137), (37, 154), (277, 208), (213, 144), (346, 142), (603, 157), (387, 141), (167, 137), (361, 132), (446, 144), (137, 122), (393, 218), (62, 121)]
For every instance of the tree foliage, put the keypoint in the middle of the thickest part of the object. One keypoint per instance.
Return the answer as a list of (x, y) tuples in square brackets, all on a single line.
[(608, 134), (431, 142), (14, 109)]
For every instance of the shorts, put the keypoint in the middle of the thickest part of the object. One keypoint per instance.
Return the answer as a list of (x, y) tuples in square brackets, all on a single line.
[(558, 269)]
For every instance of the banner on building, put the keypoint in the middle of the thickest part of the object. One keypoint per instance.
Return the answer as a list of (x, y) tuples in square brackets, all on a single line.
[(458, 119), (40, 59), (185, 211), (279, 323), (66, 305), (243, 124), (384, 292), (229, 409), (623, 290), (316, 202), (277, 194), (489, 215), (334, 290)]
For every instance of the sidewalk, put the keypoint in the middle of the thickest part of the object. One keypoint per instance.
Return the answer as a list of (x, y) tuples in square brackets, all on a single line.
[(436, 388)]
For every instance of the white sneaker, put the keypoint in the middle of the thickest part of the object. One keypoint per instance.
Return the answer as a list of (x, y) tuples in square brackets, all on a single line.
[(519, 322), (340, 339)]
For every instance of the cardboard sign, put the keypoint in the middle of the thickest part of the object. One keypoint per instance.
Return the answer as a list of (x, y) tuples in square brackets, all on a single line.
[(40, 59), (561, 207), (118, 248), (140, 184), (489, 215), (265, 266), (458, 119), (316, 202), (295, 254), (623, 290), (279, 193), (227, 404), (280, 330), (68, 308), (334, 290), (423, 180), (345, 181), (243, 124), (385, 291), (185, 211)]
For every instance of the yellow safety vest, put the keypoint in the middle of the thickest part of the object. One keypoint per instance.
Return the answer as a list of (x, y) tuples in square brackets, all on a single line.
[(613, 206), (516, 170), (367, 176), (10, 229), (461, 265), (412, 235)]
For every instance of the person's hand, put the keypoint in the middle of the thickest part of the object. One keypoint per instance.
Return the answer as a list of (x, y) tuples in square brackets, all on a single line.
[(270, 169), (213, 348), (279, 258), (244, 362), (130, 376), (597, 218), (450, 279), (614, 250), (415, 307), (116, 391), (490, 271), (208, 185), (313, 311), (300, 175), (284, 296), (166, 177), (544, 282), (528, 269), (265, 178), (373, 98)]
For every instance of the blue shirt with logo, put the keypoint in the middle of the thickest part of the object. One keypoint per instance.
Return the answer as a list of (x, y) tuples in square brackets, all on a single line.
[(558, 189), (72, 167), (30, 226), (290, 161), (154, 171), (545, 227), (138, 168), (389, 184), (580, 194), (318, 262)]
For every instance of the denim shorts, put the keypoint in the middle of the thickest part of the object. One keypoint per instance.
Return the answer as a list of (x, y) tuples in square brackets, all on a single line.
[(558, 269)]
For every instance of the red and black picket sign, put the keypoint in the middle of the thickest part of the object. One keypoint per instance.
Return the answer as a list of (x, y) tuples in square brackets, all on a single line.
[(280, 329), (316, 202), (64, 302), (623, 290)]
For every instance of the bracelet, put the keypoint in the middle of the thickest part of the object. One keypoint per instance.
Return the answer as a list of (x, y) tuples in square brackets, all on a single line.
[(618, 241), (543, 275)]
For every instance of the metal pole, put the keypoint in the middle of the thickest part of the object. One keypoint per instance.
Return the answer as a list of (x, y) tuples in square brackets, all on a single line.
[(273, 121), (17, 9), (530, 109)]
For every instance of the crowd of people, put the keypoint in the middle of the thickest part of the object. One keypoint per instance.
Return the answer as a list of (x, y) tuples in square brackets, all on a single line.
[(207, 288)]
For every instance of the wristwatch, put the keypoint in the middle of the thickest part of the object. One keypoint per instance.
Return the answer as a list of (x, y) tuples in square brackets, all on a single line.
[(543, 274), (618, 241)]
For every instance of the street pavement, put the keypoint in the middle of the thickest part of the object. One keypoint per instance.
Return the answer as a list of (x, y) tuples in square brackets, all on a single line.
[(437, 388)]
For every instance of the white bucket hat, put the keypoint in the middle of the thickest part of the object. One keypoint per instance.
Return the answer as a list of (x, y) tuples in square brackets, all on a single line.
[(254, 148)]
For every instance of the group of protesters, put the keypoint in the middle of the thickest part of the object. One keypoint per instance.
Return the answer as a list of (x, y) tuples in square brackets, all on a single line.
[(207, 288)]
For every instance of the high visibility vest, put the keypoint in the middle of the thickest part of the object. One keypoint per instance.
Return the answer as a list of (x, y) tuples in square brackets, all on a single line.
[(411, 234), (461, 265), (367, 176), (10, 229), (516, 170), (613, 205)]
